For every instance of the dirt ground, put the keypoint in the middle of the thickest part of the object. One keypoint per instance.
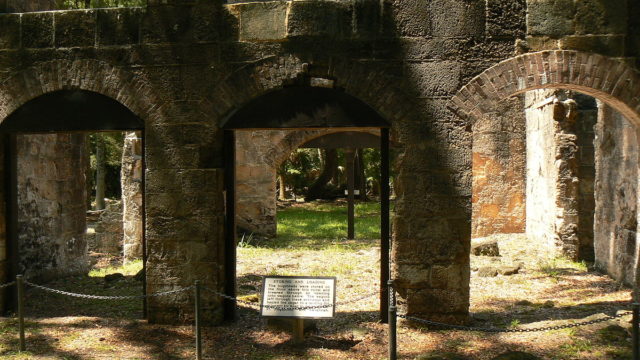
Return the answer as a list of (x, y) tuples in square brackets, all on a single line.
[(543, 293)]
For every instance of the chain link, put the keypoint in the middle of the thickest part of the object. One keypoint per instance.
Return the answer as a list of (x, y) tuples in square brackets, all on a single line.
[(519, 330), (2, 286), (106, 297)]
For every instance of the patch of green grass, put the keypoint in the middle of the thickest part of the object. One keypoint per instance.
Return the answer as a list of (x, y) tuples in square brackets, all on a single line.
[(561, 265), (324, 225), (129, 269), (573, 349)]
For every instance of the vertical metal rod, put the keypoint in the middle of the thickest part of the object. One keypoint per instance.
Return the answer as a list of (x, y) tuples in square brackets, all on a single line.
[(350, 159), (145, 304), (393, 351), (230, 226), (20, 285), (385, 243), (197, 319), (636, 330)]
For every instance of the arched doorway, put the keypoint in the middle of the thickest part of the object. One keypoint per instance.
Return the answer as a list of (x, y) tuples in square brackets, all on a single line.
[(303, 107), (69, 114)]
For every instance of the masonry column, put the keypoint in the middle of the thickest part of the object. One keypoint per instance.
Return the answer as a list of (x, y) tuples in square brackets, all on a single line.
[(131, 184)]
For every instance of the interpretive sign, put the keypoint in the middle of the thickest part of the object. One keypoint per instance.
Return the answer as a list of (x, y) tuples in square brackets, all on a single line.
[(298, 296)]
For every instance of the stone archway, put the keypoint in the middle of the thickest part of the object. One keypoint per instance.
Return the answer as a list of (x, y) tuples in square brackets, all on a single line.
[(432, 219), (617, 86), (38, 86)]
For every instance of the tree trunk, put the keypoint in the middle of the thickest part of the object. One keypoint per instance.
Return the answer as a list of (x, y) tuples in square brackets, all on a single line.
[(361, 179), (101, 160), (318, 189), (282, 193)]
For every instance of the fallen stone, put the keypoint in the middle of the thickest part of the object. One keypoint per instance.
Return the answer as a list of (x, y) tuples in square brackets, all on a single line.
[(485, 248), (113, 277), (487, 271), (516, 355), (548, 304), (613, 333), (509, 270)]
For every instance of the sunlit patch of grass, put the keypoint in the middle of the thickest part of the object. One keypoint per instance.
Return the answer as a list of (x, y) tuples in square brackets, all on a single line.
[(319, 225), (129, 269), (561, 265)]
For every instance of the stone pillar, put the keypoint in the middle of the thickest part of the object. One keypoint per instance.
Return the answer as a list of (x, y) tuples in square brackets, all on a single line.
[(499, 171), (552, 171), (131, 185), (616, 196), (51, 205)]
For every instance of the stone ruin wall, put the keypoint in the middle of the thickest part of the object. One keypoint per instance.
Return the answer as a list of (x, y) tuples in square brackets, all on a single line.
[(51, 205), (426, 51), (616, 216), (499, 159)]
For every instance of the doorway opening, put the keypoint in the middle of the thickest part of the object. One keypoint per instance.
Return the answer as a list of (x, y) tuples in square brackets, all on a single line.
[(73, 171), (302, 109)]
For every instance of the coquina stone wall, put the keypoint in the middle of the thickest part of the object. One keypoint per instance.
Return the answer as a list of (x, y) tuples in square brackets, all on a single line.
[(184, 66), (499, 163), (616, 196), (51, 193)]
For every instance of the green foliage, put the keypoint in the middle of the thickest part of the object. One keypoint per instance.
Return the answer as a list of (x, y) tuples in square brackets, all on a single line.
[(89, 4), (113, 151), (300, 169)]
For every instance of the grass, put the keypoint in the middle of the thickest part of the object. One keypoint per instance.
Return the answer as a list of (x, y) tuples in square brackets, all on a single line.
[(323, 225), (129, 269)]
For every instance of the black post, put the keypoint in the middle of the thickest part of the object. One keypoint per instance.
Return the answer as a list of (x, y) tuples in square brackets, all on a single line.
[(636, 330), (385, 243), (350, 160), (20, 286), (230, 225), (197, 320), (393, 351)]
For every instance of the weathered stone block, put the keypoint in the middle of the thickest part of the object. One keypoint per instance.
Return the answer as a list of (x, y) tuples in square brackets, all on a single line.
[(263, 21), (367, 18), (457, 18), (9, 31), (436, 78), (164, 24), (553, 18), (411, 17), (601, 17), (119, 26), (609, 45), (75, 28), (37, 30), (506, 18), (313, 18)]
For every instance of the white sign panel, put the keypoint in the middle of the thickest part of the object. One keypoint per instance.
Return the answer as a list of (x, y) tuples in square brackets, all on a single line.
[(298, 296)]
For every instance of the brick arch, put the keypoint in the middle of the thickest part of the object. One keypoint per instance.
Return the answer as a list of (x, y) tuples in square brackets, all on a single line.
[(90, 75), (604, 78)]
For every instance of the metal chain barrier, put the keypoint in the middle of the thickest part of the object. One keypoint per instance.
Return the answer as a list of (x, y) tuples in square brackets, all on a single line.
[(107, 297), (2, 286), (518, 330)]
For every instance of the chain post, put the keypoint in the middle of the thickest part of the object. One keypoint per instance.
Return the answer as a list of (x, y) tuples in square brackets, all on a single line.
[(197, 320), (393, 351), (636, 330), (20, 293)]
